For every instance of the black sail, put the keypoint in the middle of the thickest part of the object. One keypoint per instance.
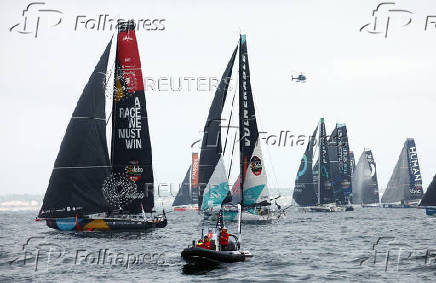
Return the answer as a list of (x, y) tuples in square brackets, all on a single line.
[(211, 147), (415, 191), (82, 164), (248, 132), (305, 188), (364, 179), (131, 148), (339, 154), (183, 197), (325, 189), (429, 198), (405, 183)]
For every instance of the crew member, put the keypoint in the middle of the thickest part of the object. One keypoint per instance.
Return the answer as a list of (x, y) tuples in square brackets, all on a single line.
[(206, 243), (210, 234), (224, 238), (200, 244)]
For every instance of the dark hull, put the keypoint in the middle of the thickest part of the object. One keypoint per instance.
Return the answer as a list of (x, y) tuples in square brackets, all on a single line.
[(393, 205), (430, 211), (200, 255), (105, 224)]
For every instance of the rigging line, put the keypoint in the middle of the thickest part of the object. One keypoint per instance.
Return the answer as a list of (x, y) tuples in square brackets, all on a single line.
[(82, 167), (233, 150), (231, 114), (109, 118), (260, 123), (92, 118)]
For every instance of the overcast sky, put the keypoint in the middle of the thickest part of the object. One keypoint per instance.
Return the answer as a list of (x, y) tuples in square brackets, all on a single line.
[(383, 88)]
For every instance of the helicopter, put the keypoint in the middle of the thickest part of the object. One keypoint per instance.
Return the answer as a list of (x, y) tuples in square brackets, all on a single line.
[(300, 78)]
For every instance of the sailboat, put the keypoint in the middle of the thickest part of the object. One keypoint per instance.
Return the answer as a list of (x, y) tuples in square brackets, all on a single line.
[(187, 196), (364, 179), (325, 187), (404, 188), (429, 199), (214, 188), (88, 191), (340, 171)]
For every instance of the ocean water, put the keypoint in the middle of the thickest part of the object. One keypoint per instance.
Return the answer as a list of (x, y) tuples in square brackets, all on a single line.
[(368, 244)]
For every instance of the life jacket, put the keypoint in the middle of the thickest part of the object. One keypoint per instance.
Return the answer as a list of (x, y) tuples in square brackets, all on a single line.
[(224, 238), (207, 244), (200, 244)]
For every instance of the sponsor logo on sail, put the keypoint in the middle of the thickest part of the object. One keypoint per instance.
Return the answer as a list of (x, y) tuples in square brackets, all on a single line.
[(245, 102), (133, 171), (256, 165)]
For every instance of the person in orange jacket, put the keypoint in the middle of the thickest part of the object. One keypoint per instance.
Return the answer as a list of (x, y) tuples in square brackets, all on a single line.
[(224, 238)]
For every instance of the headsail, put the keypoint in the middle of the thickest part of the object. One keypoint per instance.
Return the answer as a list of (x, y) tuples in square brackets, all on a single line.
[(305, 188), (364, 179), (82, 164), (429, 198), (131, 148), (211, 148), (183, 196), (405, 183), (253, 175)]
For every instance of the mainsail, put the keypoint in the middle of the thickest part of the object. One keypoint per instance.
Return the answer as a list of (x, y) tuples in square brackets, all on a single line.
[(340, 171), (405, 183), (305, 188), (253, 174), (131, 148), (325, 190), (82, 164), (364, 179), (211, 164), (429, 198)]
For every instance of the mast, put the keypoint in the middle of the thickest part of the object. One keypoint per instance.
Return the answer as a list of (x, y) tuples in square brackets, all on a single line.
[(319, 160)]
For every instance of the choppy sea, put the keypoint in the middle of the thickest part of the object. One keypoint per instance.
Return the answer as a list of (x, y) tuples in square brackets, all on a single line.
[(368, 244)]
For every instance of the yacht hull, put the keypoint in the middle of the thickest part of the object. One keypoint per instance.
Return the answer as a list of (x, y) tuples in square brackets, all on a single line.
[(105, 224)]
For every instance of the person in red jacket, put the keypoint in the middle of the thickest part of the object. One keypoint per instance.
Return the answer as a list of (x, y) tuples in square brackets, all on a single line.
[(224, 238), (206, 243)]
